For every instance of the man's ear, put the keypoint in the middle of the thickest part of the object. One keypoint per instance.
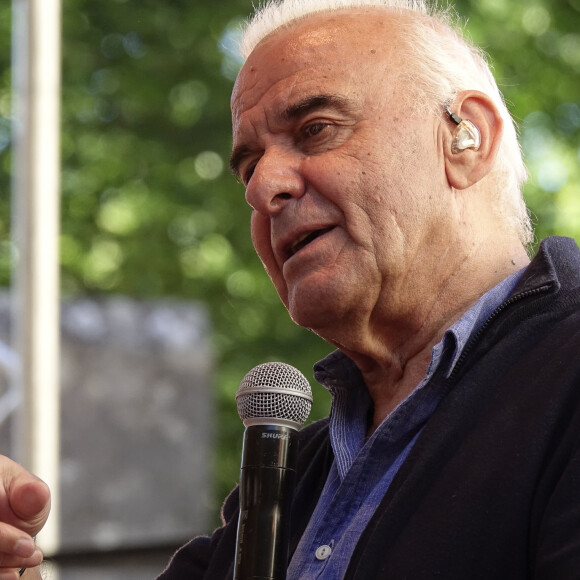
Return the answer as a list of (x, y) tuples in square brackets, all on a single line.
[(466, 165)]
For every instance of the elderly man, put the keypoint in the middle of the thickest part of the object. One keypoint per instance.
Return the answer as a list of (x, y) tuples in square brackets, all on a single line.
[(384, 175)]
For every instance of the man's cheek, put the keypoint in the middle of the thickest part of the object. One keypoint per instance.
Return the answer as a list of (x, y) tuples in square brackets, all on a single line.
[(261, 239), (263, 246)]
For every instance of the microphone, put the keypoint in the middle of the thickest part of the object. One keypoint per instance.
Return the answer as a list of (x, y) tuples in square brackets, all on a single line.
[(273, 400)]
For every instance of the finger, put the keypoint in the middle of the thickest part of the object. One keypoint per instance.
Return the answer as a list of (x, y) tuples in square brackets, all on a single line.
[(17, 549), (17, 562), (12, 574), (14, 542), (24, 498), (30, 502)]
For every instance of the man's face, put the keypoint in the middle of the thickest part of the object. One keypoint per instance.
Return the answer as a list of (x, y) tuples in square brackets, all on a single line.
[(343, 184)]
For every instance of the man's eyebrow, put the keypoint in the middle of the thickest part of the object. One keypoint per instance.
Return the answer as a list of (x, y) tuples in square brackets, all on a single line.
[(291, 113), (312, 103)]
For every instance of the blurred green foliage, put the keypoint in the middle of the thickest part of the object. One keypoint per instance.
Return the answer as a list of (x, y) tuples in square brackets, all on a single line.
[(149, 209)]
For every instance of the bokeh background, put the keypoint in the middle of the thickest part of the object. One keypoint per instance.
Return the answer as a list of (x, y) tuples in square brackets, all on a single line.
[(150, 211)]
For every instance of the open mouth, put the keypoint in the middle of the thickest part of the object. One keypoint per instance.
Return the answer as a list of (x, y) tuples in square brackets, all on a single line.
[(306, 238)]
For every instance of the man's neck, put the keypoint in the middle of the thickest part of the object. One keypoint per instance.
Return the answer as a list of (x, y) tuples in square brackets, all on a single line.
[(393, 354)]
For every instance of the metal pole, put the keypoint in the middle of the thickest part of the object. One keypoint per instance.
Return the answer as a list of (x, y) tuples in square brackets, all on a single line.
[(35, 187)]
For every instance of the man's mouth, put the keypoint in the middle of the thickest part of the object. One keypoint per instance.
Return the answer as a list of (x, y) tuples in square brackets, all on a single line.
[(304, 239)]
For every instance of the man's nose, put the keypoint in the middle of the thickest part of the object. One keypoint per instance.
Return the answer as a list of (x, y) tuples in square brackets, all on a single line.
[(275, 181)]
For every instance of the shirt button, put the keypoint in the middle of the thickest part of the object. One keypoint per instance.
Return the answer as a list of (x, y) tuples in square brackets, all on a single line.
[(322, 552)]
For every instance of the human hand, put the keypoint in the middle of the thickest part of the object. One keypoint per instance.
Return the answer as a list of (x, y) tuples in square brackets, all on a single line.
[(24, 508)]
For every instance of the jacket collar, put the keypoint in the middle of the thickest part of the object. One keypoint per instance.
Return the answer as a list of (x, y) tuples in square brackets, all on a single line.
[(557, 259)]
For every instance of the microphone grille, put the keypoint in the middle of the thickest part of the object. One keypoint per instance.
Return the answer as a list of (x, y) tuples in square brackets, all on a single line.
[(274, 393)]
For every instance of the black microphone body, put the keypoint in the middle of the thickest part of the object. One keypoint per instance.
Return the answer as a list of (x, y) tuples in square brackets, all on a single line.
[(273, 401), (266, 488)]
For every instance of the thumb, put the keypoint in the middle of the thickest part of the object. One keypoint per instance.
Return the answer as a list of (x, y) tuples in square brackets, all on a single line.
[(30, 502)]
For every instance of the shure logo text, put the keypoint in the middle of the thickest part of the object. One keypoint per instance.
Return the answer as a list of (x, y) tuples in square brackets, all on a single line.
[(275, 436)]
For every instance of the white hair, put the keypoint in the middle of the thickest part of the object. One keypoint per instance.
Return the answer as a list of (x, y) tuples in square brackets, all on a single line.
[(443, 64)]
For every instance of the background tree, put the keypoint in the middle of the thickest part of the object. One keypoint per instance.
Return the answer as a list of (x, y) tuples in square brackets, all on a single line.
[(149, 209)]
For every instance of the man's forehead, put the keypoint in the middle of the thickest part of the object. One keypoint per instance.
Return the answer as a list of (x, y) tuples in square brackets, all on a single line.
[(280, 88), (283, 54), (334, 41)]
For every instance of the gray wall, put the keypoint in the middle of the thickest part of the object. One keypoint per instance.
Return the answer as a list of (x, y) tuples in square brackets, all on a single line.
[(136, 437)]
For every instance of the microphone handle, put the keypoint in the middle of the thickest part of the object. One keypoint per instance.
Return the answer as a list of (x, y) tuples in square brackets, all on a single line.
[(267, 482)]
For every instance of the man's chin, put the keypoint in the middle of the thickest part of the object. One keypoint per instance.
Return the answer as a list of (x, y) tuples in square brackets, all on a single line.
[(314, 312)]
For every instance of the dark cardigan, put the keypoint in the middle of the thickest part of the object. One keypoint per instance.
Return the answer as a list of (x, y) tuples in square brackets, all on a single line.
[(491, 488)]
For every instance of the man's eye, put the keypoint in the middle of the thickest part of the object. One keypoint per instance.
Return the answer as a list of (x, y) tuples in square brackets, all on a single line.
[(315, 129), (247, 175)]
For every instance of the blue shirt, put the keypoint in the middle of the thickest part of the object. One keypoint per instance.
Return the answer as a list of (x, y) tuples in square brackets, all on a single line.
[(363, 469)]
